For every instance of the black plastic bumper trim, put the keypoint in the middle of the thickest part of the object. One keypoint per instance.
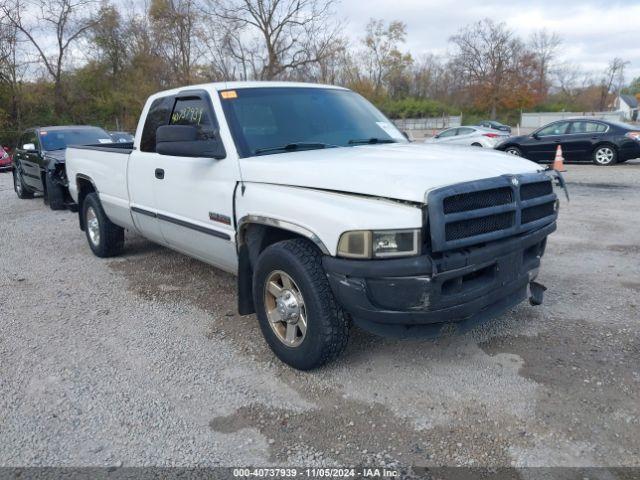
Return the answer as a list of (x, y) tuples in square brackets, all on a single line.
[(510, 266)]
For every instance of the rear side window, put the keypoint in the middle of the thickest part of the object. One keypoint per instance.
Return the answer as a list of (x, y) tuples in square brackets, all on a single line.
[(158, 116), (195, 112), (588, 127), (465, 131)]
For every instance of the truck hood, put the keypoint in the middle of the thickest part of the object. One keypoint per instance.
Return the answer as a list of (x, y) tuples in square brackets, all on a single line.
[(396, 171)]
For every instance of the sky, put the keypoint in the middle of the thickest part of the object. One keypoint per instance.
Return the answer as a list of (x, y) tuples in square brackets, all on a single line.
[(593, 31)]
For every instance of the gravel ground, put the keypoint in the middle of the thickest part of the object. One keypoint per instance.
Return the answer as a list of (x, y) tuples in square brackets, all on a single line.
[(141, 360)]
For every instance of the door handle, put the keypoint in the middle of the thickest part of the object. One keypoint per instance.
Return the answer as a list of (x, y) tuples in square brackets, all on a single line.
[(159, 173)]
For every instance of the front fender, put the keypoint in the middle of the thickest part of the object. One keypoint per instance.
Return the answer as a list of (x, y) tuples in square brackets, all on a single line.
[(323, 216)]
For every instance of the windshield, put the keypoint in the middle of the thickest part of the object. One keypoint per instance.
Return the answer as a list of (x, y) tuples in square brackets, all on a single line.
[(59, 139), (275, 120)]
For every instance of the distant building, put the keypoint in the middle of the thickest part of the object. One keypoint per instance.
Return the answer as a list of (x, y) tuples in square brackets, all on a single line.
[(628, 105)]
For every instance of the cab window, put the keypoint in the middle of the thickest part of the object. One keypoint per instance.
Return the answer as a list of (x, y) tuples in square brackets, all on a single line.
[(559, 128), (194, 112), (157, 116)]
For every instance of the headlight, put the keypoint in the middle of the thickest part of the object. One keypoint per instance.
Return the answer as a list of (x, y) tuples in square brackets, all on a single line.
[(379, 243)]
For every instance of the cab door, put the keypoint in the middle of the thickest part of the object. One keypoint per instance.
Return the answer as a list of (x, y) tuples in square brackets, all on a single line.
[(141, 172), (195, 195), (30, 160)]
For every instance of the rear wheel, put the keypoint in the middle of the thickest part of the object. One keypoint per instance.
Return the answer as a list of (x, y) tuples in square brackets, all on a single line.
[(19, 187), (54, 193), (105, 238), (298, 314), (513, 151), (476, 144), (605, 155)]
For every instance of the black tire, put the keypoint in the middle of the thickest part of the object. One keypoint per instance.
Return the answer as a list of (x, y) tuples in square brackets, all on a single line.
[(513, 150), (53, 193), (605, 155), (110, 239), (19, 187), (327, 330)]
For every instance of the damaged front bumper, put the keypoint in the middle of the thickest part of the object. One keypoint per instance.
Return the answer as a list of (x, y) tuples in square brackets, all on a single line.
[(421, 296)]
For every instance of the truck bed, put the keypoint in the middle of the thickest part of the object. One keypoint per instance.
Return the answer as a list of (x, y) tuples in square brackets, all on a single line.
[(124, 148), (105, 166)]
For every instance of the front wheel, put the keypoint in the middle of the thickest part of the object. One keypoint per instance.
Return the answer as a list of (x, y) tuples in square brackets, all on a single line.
[(105, 238), (605, 155), (298, 314), (19, 187)]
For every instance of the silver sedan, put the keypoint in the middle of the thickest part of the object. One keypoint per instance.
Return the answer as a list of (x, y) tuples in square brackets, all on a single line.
[(470, 136)]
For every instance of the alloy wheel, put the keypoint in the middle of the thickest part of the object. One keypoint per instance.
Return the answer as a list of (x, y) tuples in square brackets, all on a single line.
[(605, 155), (285, 308), (93, 226)]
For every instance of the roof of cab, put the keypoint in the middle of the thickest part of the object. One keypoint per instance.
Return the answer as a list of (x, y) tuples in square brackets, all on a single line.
[(220, 86)]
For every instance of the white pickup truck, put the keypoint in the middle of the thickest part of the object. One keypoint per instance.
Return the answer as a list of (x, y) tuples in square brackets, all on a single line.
[(323, 210)]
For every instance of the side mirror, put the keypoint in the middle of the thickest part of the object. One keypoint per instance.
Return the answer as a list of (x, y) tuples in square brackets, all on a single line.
[(183, 141), (536, 136), (29, 147), (405, 135)]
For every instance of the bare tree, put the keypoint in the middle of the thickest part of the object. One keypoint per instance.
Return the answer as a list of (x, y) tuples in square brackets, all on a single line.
[(109, 39), (383, 61), (544, 46), (176, 28), (487, 58), (40, 21), (612, 81), (269, 38)]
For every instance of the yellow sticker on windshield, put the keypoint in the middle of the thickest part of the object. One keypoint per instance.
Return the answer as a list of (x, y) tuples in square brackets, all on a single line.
[(229, 94)]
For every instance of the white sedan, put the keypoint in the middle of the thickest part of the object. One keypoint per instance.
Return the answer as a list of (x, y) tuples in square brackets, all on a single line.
[(470, 136)]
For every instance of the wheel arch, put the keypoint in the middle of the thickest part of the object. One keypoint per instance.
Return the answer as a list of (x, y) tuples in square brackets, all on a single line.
[(85, 186), (603, 143), (254, 234)]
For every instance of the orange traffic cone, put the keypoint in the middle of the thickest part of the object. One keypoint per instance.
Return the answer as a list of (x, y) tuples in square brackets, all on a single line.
[(558, 162)]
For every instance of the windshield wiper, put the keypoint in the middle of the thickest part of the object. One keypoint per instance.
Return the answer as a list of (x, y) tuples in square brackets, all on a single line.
[(291, 147), (370, 141)]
